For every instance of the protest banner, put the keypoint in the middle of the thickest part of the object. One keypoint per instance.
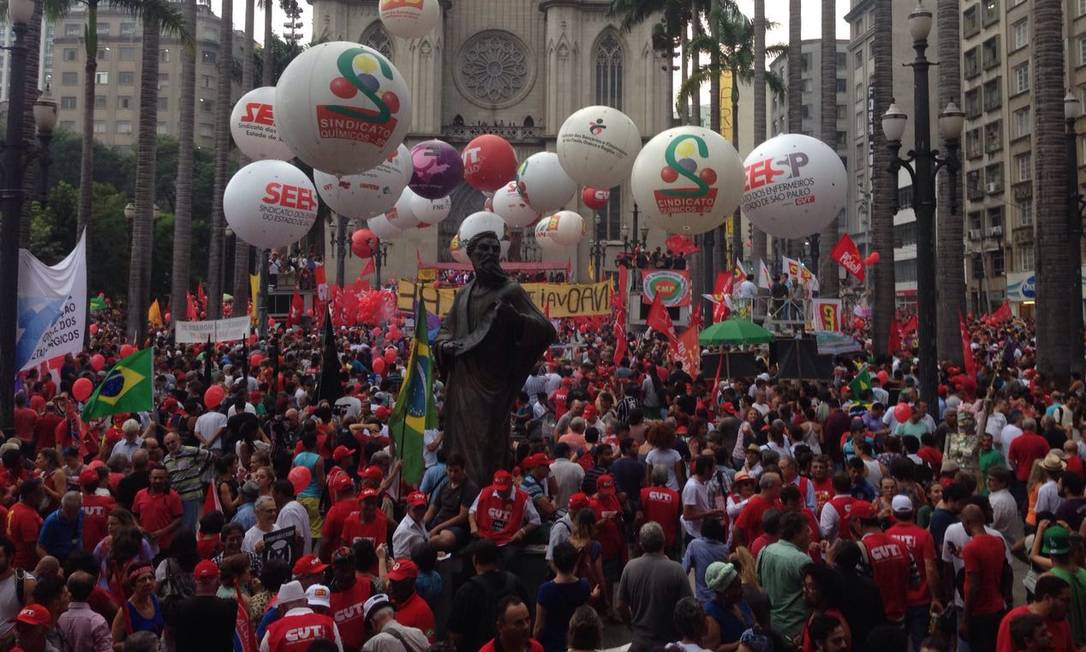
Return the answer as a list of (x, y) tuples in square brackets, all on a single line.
[(219, 330), (672, 285), (558, 300), (279, 544), (826, 314), (51, 307)]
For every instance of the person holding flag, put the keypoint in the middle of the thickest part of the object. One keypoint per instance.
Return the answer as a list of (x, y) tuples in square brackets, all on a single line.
[(415, 411)]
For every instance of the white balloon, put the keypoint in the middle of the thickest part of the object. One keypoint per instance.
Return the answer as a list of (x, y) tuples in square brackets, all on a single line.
[(479, 222), (252, 126), (270, 204), (597, 146), (430, 211), (401, 216), (511, 207), (796, 185), (409, 18), (458, 253), (543, 183), (362, 196), (342, 107), (382, 228), (687, 180), (542, 235), (564, 228)]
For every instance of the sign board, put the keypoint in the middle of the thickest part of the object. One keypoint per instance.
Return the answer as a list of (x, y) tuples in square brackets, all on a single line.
[(672, 285), (558, 300), (826, 314), (279, 544), (219, 330)]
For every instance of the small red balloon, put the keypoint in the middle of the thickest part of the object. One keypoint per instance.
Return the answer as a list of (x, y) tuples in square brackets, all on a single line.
[(127, 350), (214, 396), (255, 358), (363, 242), (378, 366), (81, 389), (94, 329), (595, 198), (669, 175), (872, 258), (340, 87), (390, 355), (392, 101), (97, 361), (489, 162), (708, 175)]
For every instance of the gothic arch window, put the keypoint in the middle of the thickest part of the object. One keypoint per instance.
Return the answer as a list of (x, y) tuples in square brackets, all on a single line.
[(608, 56), (377, 38)]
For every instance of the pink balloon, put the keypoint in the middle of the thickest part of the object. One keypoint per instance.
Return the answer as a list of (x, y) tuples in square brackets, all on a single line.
[(97, 361), (82, 388), (378, 365), (213, 396), (902, 412), (127, 350), (299, 478)]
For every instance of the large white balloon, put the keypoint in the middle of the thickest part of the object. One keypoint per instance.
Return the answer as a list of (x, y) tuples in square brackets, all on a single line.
[(458, 253), (362, 196), (270, 204), (342, 107), (430, 211), (796, 185), (479, 222), (542, 234), (401, 216), (687, 180), (597, 146), (382, 228), (252, 125), (409, 18), (511, 207), (543, 183), (564, 228)]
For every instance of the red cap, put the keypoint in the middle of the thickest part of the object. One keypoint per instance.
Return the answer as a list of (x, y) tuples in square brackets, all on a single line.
[(403, 569), (88, 476), (416, 498), (373, 472), (340, 452), (368, 492), (169, 404), (34, 614), (502, 479), (863, 510), (578, 501), (309, 565), (534, 460), (605, 484), (95, 464), (382, 412), (342, 482), (206, 570)]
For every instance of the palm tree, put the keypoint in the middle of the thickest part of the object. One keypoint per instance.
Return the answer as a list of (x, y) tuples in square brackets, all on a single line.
[(222, 152), (673, 17), (269, 43), (1052, 259), (31, 185), (758, 236), (241, 248), (949, 266), (158, 16), (182, 225), (827, 269), (795, 91), (884, 183)]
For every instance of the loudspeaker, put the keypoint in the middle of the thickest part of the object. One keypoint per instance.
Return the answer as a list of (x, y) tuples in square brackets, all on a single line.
[(799, 359), (736, 364)]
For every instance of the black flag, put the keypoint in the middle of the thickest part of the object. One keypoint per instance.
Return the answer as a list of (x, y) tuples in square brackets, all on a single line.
[(328, 383)]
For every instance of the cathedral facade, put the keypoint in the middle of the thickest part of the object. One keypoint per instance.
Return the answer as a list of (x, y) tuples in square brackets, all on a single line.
[(518, 69)]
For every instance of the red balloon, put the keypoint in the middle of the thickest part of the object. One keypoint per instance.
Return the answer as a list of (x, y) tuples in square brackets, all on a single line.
[(489, 162), (394, 333), (363, 242), (378, 366), (97, 361), (255, 358), (214, 396), (94, 329), (127, 350), (883, 376), (390, 355), (902, 412), (82, 388), (872, 258), (595, 198), (299, 478)]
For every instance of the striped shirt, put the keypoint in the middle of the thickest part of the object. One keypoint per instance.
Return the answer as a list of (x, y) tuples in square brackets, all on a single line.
[(186, 469)]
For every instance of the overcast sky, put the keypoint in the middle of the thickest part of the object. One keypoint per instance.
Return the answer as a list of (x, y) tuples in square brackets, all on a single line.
[(776, 11)]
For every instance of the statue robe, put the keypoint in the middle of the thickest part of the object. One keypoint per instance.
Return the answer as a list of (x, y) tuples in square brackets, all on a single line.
[(483, 379)]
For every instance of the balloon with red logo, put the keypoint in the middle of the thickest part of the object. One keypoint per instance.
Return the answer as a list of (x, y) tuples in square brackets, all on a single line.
[(564, 228), (81, 389), (543, 183), (98, 361), (252, 126), (362, 196), (409, 19), (401, 216), (595, 198), (542, 234), (299, 478), (270, 204), (213, 396), (430, 211), (127, 350), (511, 207), (382, 228), (489, 162), (438, 169), (458, 253), (597, 146), (342, 107), (363, 243)]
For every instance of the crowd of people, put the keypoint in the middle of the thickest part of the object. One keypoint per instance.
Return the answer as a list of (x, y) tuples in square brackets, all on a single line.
[(663, 508)]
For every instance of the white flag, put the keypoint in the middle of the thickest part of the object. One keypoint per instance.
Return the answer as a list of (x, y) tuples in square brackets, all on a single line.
[(52, 307), (764, 280)]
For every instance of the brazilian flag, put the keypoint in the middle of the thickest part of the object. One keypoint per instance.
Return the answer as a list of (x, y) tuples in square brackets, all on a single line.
[(860, 384), (415, 411), (128, 387), (98, 303)]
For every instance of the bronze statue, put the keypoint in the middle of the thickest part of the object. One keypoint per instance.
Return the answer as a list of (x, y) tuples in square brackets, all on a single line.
[(488, 343)]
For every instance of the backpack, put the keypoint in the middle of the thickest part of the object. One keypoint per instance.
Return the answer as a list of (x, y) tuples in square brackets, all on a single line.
[(177, 586)]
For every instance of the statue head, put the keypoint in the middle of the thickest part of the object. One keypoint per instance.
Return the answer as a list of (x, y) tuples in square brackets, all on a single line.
[(484, 250)]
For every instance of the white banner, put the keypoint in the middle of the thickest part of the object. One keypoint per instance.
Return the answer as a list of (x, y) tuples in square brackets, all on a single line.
[(52, 307), (221, 330), (826, 315)]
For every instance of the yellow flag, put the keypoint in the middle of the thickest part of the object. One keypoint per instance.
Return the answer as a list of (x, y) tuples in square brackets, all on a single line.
[(591, 270), (154, 314), (254, 291)]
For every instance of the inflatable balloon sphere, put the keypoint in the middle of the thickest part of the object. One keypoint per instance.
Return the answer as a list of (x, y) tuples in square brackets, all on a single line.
[(795, 186), (252, 126), (438, 169), (127, 350), (401, 216), (597, 146), (299, 478), (409, 19), (542, 234), (902, 412), (213, 396), (382, 228), (543, 183), (378, 365), (363, 243), (97, 361), (564, 228), (342, 107), (595, 198), (430, 211), (489, 162), (511, 207), (458, 253), (270, 204), (367, 194), (82, 389), (480, 222), (687, 180)]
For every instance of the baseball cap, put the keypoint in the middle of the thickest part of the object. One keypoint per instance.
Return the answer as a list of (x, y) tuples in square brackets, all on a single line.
[(1057, 541), (863, 510), (206, 570), (403, 569), (373, 472), (502, 479), (88, 476), (290, 592), (534, 460), (308, 565), (901, 504), (376, 602), (318, 595), (605, 484), (342, 483), (368, 492), (340, 452), (578, 501), (415, 498), (34, 614), (382, 412)]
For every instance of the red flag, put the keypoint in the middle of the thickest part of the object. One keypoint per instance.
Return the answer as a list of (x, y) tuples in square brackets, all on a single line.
[(1001, 315), (369, 268), (685, 349), (847, 254), (659, 321), (893, 343), (620, 341), (297, 306), (191, 313), (909, 326), (722, 287), (201, 296), (967, 351)]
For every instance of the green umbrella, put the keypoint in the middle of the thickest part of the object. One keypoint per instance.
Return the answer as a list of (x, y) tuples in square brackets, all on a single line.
[(734, 331)]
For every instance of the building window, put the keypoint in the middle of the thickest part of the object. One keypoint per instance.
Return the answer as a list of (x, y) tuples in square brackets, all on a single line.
[(206, 130), (103, 29), (976, 220), (207, 106), (100, 101), (1082, 7), (104, 54), (993, 136), (1020, 33), (993, 94), (1023, 123), (69, 79), (128, 54), (842, 85), (608, 59), (995, 218), (124, 102), (997, 263), (993, 179), (205, 80), (208, 57), (990, 11), (1025, 214), (101, 78), (970, 22), (1023, 167), (163, 103), (67, 102), (1082, 50), (989, 53), (972, 104), (971, 63), (124, 126), (974, 143), (128, 29), (164, 56), (1021, 78), (69, 54), (73, 29), (377, 38), (972, 185), (858, 59), (1024, 259), (126, 78), (99, 127), (978, 267)]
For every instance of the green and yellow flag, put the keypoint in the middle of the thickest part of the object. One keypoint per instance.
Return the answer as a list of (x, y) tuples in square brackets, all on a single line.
[(415, 411), (127, 388), (860, 384), (98, 303)]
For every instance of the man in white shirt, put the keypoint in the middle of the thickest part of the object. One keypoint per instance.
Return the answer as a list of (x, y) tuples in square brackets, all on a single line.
[(209, 428), (954, 540), (1010, 432), (695, 497), (292, 513), (567, 474), (411, 531), (1005, 515), (1048, 496), (350, 404), (996, 420)]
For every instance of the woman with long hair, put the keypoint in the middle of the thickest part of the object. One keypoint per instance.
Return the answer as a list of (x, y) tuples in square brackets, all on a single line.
[(589, 564), (1037, 477), (123, 543), (226, 496), (264, 478), (661, 437), (54, 480), (141, 612), (823, 594)]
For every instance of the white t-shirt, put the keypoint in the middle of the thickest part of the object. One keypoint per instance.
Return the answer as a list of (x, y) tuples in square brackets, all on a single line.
[(353, 405), (209, 423), (953, 542), (697, 494), (252, 536), (294, 514), (1009, 433), (996, 423), (429, 457), (248, 408), (668, 458)]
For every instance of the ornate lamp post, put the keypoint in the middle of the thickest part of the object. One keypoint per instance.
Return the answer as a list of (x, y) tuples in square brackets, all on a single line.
[(1072, 111), (379, 255)]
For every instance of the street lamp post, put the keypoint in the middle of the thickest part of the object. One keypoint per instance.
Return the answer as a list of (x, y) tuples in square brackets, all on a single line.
[(19, 14), (923, 165), (339, 241), (379, 255), (1072, 111)]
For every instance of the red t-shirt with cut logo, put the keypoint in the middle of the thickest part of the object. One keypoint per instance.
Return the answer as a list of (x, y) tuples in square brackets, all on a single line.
[(662, 505), (348, 612), (921, 548), (96, 511), (984, 556), (890, 568)]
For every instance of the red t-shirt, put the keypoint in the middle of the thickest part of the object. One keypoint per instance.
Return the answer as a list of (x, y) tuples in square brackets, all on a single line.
[(376, 531), (823, 492), (334, 519), (921, 548), (156, 511), (45, 430), (294, 633), (96, 511), (750, 518), (1074, 465), (890, 568), (1060, 630), (533, 645), (662, 505), (932, 456), (25, 418), (1024, 449), (347, 611), (414, 612), (22, 527), (762, 541), (984, 556)]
